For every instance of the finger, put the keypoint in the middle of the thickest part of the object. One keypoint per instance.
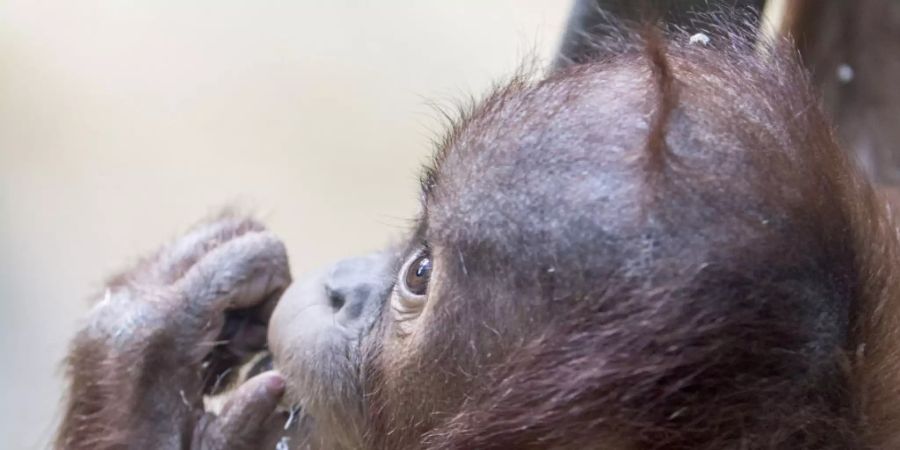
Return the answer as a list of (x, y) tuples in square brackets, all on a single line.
[(236, 280), (218, 378), (248, 412), (178, 257), (241, 273)]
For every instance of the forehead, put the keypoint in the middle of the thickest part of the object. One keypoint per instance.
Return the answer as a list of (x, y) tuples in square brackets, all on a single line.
[(531, 156), (561, 163)]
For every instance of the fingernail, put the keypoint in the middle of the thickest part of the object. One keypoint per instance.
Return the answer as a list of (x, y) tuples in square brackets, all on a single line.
[(275, 383)]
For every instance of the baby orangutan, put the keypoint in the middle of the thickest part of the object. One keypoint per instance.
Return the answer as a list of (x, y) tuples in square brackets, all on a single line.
[(663, 248)]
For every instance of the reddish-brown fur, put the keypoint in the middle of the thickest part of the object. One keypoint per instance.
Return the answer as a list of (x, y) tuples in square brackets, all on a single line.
[(803, 227), (665, 249)]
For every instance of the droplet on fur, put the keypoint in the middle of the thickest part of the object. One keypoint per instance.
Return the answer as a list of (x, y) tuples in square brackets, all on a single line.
[(699, 38), (845, 73), (283, 443)]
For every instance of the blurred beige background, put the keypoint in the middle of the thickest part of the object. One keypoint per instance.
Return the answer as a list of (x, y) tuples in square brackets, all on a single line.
[(122, 123)]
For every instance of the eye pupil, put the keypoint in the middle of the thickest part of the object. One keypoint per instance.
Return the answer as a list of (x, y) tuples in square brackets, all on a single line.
[(418, 275)]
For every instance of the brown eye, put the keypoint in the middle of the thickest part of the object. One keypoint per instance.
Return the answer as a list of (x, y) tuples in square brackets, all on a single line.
[(418, 274)]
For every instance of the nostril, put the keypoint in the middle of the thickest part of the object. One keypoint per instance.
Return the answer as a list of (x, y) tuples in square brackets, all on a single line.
[(336, 298)]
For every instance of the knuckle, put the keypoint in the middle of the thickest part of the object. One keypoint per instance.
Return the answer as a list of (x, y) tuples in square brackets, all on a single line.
[(121, 323), (253, 252), (130, 320), (178, 257), (240, 273), (225, 228)]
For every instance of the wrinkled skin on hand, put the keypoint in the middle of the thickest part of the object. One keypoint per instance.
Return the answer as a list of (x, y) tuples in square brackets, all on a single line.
[(167, 332)]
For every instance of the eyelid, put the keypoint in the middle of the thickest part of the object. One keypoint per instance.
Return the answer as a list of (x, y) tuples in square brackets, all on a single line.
[(409, 304)]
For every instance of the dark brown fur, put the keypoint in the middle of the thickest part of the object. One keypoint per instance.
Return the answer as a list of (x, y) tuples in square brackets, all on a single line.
[(751, 304), (741, 325)]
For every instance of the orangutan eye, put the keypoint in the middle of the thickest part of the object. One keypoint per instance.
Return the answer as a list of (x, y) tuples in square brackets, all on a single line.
[(415, 275)]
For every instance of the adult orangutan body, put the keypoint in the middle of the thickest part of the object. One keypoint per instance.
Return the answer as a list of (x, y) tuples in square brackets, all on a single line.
[(661, 249)]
